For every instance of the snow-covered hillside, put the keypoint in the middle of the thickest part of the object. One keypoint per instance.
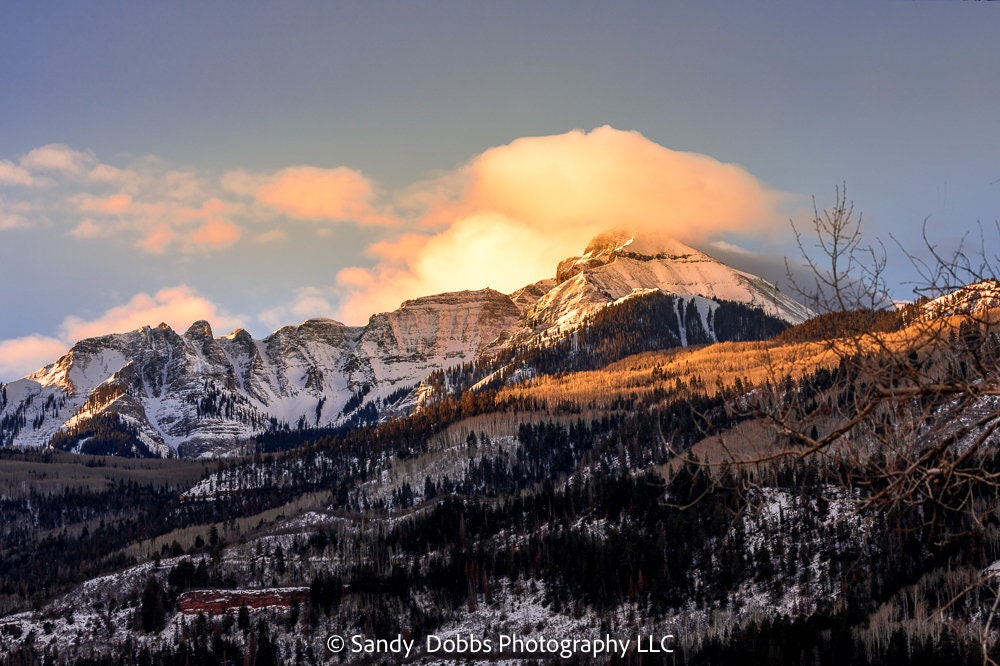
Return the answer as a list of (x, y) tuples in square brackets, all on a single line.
[(975, 299)]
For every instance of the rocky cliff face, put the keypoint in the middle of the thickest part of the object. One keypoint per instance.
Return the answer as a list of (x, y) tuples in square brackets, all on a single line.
[(197, 394)]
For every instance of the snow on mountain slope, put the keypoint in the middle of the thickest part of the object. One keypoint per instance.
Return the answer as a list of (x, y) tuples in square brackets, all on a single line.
[(525, 297), (617, 264), (197, 394), (975, 299)]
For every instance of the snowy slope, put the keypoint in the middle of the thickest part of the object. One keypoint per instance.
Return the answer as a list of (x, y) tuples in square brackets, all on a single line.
[(198, 394), (975, 299), (617, 264)]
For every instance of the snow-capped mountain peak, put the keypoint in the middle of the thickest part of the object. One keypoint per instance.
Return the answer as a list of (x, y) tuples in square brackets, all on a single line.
[(616, 264)]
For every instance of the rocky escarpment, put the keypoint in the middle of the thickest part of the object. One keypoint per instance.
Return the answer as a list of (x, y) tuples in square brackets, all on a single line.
[(197, 394)]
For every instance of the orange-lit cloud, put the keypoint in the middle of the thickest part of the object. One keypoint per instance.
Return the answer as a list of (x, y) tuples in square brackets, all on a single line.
[(157, 240), (183, 187), (502, 220), (117, 203), (506, 218), (311, 193), (243, 183), (22, 355), (613, 178), (87, 229), (271, 236), (214, 207), (178, 306), (214, 234), (162, 225), (12, 221), (160, 209), (480, 250), (127, 180)]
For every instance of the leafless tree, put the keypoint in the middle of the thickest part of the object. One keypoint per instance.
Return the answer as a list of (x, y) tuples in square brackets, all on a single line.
[(915, 408), (845, 275)]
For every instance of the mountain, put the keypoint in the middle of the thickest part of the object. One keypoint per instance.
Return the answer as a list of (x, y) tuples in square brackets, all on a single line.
[(154, 391), (195, 393), (974, 299), (617, 264), (822, 496)]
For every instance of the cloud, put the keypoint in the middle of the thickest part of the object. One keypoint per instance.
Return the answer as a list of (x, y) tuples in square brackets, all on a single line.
[(114, 204), (243, 183), (163, 224), (157, 239), (309, 302), (270, 236), (503, 219), (146, 204), (480, 250), (56, 157), (311, 193), (508, 216), (178, 306), (184, 187), (126, 180), (14, 215), (87, 229), (612, 178), (214, 234), (12, 174), (212, 208), (160, 209), (12, 221), (20, 356)]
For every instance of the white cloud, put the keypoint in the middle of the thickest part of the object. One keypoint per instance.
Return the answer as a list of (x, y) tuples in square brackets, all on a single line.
[(308, 303)]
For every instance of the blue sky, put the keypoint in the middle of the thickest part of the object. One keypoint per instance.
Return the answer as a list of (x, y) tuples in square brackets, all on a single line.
[(154, 157)]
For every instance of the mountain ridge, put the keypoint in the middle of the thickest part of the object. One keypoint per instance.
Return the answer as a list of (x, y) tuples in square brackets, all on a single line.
[(196, 394)]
